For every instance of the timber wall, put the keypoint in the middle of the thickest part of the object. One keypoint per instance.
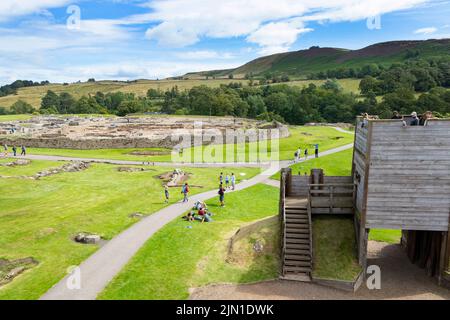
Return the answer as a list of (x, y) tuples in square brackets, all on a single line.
[(408, 176)]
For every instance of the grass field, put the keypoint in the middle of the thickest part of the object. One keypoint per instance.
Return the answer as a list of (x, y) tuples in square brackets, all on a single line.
[(304, 137), (337, 164), (177, 258), (348, 85), (26, 170), (335, 248), (39, 218), (389, 236), (15, 117)]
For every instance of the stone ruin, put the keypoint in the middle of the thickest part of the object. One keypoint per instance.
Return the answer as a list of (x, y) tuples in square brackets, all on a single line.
[(68, 167), (16, 163), (176, 178), (11, 269), (130, 132), (87, 238)]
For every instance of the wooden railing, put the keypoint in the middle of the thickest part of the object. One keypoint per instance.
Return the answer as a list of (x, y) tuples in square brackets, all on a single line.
[(310, 233), (331, 198), (284, 187)]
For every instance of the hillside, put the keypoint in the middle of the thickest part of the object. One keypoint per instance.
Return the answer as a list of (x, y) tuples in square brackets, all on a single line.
[(301, 63)]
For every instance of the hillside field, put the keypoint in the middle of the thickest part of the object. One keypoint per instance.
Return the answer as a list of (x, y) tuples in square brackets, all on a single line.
[(33, 95)]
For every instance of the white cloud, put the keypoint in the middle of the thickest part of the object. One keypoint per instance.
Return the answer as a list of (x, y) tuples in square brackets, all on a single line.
[(271, 24), (14, 8), (119, 70), (426, 31), (203, 54)]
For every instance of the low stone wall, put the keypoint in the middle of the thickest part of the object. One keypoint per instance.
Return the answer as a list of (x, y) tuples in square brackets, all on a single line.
[(109, 143)]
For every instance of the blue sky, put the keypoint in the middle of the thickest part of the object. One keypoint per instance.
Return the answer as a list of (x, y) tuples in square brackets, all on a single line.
[(133, 39)]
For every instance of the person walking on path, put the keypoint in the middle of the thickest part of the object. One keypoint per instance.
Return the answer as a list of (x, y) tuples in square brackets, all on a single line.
[(14, 150), (24, 151), (306, 154), (221, 178), (316, 150), (221, 195), (233, 181), (227, 181), (185, 192), (166, 194)]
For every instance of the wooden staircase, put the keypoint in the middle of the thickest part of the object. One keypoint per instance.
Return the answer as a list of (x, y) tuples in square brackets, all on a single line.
[(297, 248)]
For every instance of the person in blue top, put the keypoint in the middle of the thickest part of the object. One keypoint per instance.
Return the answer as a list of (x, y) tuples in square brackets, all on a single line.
[(227, 181), (185, 192), (233, 181)]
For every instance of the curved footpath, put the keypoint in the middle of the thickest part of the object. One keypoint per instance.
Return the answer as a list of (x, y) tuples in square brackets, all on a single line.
[(102, 266)]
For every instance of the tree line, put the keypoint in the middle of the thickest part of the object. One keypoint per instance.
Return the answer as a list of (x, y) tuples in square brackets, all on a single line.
[(281, 102), (13, 87), (416, 74)]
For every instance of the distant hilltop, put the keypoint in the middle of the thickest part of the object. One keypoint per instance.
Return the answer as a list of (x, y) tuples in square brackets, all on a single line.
[(316, 59)]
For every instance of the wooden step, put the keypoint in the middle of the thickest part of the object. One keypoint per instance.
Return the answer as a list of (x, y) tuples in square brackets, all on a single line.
[(296, 216), (297, 263), (297, 241), (290, 251), (295, 257), (297, 235), (291, 210), (297, 226), (296, 269), (297, 230), (296, 276), (296, 246), (297, 220)]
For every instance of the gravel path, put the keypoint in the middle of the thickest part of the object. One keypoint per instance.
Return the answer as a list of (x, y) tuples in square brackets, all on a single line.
[(399, 280)]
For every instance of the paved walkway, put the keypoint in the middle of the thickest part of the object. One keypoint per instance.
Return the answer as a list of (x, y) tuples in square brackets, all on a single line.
[(102, 266)]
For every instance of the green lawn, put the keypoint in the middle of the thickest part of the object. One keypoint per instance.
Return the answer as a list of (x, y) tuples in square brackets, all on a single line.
[(38, 218), (178, 257), (15, 117), (336, 164), (27, 170), (304, 137), (334, 243), (389, 236)]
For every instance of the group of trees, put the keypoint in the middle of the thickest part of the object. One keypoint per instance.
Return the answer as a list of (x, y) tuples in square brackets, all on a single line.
[(281, 102), (12, 88)]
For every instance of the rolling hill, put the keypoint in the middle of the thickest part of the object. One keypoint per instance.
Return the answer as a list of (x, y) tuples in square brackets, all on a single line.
[(315, 59)]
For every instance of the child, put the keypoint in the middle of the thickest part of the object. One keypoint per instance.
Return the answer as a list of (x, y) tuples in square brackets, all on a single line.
[(166, 193), (227, 181), (221, 178)]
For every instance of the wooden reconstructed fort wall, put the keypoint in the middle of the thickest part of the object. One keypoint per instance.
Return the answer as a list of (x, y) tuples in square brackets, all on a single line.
[(408, 176)]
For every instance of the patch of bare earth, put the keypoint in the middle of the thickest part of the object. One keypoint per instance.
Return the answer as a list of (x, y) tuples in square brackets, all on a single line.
[(399, 280)]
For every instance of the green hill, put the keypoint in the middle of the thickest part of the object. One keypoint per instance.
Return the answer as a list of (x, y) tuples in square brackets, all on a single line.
[(315, 59)]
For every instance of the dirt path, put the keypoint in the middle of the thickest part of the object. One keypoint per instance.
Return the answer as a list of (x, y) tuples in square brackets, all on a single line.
[(399, 280)]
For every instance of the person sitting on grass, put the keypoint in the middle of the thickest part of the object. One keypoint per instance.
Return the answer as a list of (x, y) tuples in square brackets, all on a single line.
[(221, 195), (204, 215)]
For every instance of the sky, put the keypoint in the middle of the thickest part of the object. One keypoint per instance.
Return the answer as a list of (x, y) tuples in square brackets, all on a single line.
[(72, 40)]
